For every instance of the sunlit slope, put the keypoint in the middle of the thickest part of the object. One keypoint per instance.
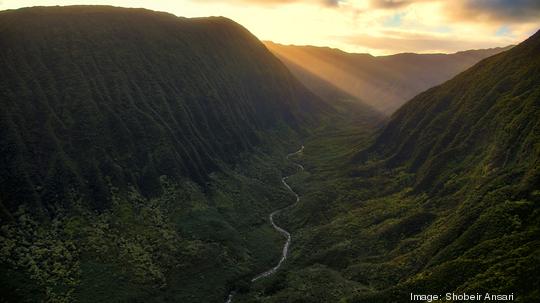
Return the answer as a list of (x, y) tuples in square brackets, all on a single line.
[(484, 122), (92, 95), (445, 200), (470, 152), (385, 82)]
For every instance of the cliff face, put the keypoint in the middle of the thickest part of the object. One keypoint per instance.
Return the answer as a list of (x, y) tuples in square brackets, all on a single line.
[(92, 96)]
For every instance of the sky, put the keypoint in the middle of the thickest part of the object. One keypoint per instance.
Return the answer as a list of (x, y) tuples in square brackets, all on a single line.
[(379, 27)]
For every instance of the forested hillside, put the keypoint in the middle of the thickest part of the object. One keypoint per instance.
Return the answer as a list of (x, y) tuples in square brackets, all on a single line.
[(140, 154), (384, 82), (92, 95), (483, 123), (445, 199)]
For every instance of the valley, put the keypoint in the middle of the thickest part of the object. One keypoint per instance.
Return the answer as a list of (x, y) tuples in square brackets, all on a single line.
[(146, 164), (285, 233), (147, 158), (399, 210)]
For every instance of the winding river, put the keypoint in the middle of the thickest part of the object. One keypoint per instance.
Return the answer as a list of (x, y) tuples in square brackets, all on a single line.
[(285, 233)]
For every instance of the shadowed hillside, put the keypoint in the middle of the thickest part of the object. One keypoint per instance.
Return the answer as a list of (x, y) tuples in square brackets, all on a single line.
[(384, 83), (92, 95), (140, 154)]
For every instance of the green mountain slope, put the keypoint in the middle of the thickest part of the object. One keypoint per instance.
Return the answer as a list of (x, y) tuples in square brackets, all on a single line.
[(384, 83), (473, 147), (140, 155), (92, 95), (445, 199), (482, 123)]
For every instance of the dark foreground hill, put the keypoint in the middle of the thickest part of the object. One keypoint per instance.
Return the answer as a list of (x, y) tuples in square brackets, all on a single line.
[(446, 200), (384, 83), (92, 95), (140, 154)]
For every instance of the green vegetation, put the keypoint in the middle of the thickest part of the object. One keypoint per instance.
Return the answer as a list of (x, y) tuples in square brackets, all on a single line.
[(444, 199), (138, 162), (92, 95), (187, 244)]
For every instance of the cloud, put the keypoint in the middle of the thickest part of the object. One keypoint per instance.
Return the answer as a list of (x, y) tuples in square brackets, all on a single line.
[(365, 25), (390, 4), (396, 41), (516, 11), (330, 3)]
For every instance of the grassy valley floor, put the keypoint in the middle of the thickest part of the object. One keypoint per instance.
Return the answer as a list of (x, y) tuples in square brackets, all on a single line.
[(363, 233)]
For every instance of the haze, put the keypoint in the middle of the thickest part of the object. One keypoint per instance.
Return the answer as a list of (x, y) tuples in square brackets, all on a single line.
[(378, 27)]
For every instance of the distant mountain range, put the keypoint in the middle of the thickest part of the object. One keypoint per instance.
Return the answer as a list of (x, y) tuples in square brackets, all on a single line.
[(384, 83)]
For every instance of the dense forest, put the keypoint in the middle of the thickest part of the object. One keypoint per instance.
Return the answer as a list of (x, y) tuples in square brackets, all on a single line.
[(91, 94), (140, 154)]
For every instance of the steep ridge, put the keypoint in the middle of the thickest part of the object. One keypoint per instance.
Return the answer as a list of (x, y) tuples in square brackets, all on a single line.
[(383, 83), (485, 122), (92, 95), (444, 201), (472, 147), (141, 154)]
